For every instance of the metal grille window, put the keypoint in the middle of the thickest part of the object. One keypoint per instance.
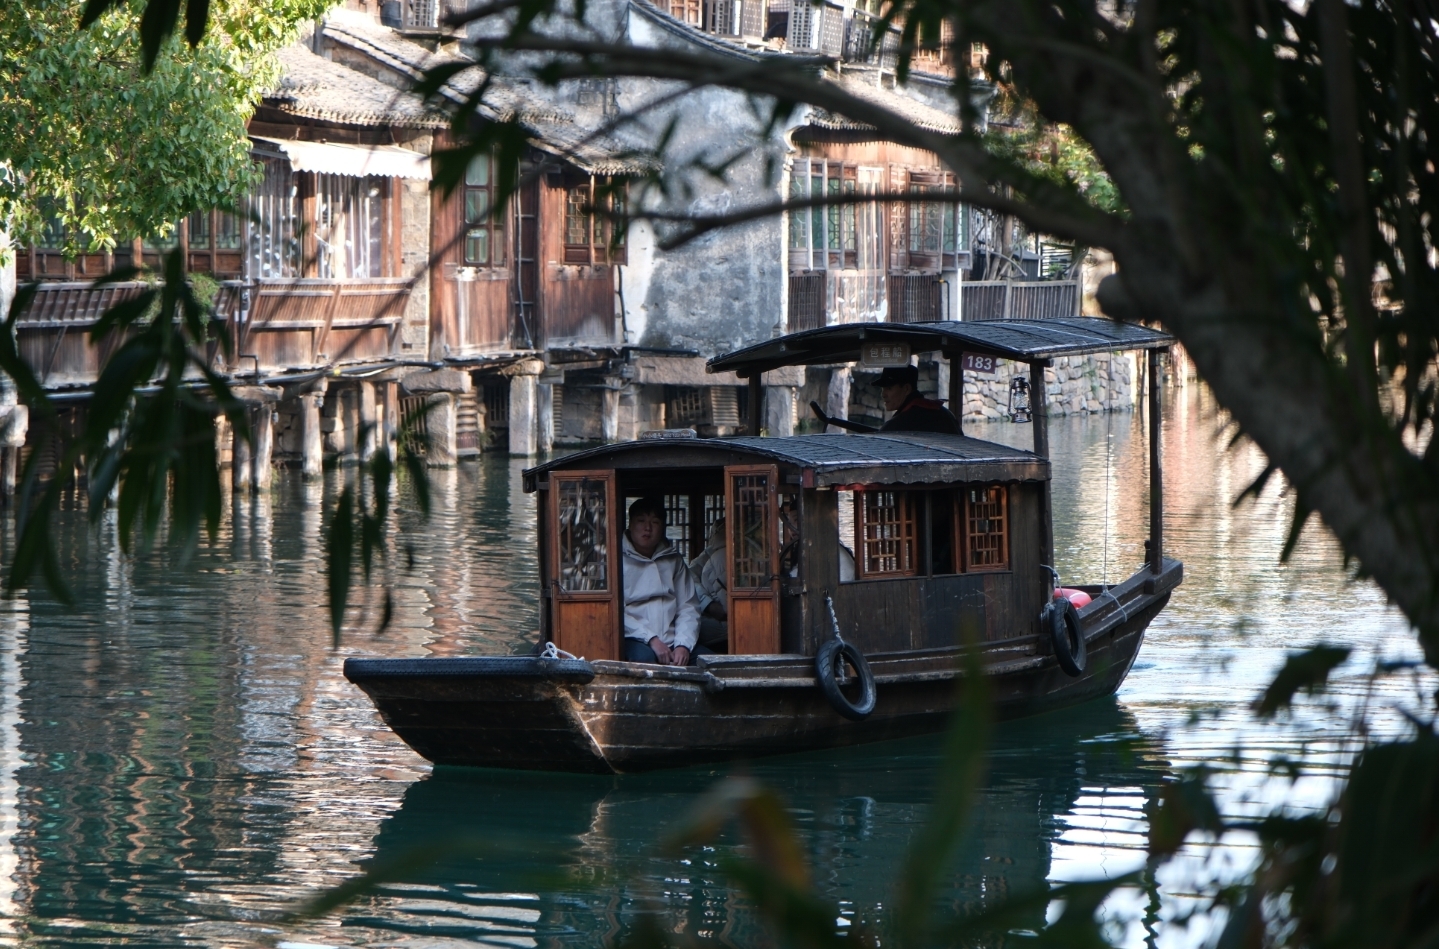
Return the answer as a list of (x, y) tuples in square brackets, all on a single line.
[(986, 528), (349, 225), (484, 232), (750, 532), (583, 530), (885, 534), (592, 238), (274, 245), (823, 238)]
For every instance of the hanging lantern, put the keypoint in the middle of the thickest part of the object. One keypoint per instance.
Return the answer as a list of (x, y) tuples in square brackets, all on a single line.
[(1019, 399)]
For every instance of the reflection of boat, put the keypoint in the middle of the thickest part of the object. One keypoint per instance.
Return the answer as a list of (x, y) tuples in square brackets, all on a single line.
[(951, 537), (587, 849)]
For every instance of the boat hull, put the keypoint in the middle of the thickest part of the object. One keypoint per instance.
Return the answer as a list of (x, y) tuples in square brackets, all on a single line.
[(610, 717)]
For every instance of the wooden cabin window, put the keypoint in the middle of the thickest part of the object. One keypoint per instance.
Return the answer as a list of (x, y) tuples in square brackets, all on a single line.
[(885, 533), (986, 528), (484, 232), (592, 238), (349, 225), (583, 531), (750, 532)]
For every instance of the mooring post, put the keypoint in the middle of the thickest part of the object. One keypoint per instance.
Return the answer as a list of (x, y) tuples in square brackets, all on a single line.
[(1156, 470), (240, 470), (312, 440), (263, 431)]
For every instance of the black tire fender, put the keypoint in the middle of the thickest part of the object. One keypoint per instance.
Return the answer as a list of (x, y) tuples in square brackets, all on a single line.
[(828, 667), (1067, 634)]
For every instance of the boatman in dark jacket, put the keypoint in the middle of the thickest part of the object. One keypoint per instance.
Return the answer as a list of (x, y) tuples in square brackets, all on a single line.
[(899, 387)]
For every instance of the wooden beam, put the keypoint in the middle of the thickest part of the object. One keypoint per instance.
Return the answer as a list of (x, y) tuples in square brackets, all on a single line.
[(1156, 470), (956, 386), (1039, 414), (756, 402)]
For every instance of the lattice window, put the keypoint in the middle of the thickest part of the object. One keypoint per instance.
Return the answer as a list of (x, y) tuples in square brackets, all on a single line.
[(592, 238), (688, 406), (583, 530), (826, 237), (986, 528), (886, 533), (750, 533), (933, 226), (678, 523)]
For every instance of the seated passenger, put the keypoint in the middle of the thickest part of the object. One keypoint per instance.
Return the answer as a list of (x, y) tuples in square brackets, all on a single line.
[(661, 607), (899, 386), (709, 575)]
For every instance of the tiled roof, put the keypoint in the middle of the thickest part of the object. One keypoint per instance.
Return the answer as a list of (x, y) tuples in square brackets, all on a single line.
[(313, 87), (553, 130), (867, 85)]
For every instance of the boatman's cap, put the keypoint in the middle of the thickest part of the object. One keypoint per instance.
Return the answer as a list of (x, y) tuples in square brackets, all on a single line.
[(898, 376)]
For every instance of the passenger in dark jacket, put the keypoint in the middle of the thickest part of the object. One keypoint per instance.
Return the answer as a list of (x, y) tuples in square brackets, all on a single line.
[(899, 386)]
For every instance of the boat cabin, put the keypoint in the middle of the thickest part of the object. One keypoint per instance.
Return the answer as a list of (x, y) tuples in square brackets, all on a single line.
[(919, 541)]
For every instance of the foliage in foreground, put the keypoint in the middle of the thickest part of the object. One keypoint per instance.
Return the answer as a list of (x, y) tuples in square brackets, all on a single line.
[(114, 150)]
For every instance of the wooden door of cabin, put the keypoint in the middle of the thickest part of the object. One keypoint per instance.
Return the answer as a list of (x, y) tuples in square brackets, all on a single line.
[(584, 552), (752, 546)]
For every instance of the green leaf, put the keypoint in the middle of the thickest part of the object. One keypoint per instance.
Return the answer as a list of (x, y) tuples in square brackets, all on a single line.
[(1307, 671), (1179, 807)]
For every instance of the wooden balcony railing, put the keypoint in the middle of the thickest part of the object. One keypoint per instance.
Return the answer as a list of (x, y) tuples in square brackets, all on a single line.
[(53, 332), (309, 322), (1019, 299)]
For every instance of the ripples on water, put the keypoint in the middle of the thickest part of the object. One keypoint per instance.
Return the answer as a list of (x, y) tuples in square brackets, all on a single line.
[(180, 760)]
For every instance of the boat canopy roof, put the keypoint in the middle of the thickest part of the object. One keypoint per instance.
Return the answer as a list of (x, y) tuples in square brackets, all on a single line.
[(1023, 340), (826, 460)]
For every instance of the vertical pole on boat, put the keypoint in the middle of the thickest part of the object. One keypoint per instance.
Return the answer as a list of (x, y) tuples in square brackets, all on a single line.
[(756, 401), (1039, 412), (1156, 474), (956, 386)]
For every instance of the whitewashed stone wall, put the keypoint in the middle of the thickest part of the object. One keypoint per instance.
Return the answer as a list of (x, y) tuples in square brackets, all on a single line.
[(1076, 385)]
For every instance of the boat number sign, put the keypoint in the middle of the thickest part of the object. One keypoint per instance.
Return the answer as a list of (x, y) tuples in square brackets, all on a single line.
[(884, 354), (980, 365)]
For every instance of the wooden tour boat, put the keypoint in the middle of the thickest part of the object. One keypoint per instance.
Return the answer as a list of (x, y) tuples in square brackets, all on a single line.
[(859, 568)]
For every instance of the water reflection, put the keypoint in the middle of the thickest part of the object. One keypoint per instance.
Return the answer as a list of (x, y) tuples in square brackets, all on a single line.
[(180, 759)]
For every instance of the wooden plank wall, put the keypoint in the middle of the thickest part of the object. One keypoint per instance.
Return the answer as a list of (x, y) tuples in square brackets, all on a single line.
[(577, 301), (483, 323), (924, 612)]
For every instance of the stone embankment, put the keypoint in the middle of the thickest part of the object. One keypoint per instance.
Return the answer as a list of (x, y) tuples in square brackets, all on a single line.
[(1075, 385)]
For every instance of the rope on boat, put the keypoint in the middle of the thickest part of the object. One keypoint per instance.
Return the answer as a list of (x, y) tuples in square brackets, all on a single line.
[(551, 651)]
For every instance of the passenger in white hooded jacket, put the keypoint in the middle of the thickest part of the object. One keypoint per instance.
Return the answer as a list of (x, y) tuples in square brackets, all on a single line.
[(661, 605)]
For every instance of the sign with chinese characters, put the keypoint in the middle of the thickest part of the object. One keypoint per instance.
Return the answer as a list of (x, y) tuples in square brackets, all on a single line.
[(979, 365), (884, 354)]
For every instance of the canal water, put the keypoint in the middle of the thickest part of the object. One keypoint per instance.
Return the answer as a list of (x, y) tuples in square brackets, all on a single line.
[(181, 762)]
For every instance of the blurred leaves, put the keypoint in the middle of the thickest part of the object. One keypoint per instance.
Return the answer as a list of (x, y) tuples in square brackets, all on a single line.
[(1306, 672)]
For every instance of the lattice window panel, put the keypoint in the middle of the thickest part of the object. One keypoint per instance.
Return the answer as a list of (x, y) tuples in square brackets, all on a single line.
[(750, 533), (986, 528), (831, 30), (886, 533), (689, 406), (583, 530), (678, 523), (801, 34)]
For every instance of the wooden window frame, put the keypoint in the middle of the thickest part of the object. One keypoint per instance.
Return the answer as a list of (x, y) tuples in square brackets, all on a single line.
[(962, 531), (945, 255), (908, 522), (488, 222), (599, 242), (825, 237)]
